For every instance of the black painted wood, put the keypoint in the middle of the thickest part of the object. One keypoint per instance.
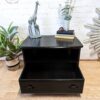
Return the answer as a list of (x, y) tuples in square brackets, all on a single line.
[(50, 42), (51, 66)]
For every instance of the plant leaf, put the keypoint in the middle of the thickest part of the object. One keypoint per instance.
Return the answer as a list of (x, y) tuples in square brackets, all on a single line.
[(17, 44), (3, 30), (10, 26), (11, 46), (3, 41), (12, 29), (12, 35), (2, 52)]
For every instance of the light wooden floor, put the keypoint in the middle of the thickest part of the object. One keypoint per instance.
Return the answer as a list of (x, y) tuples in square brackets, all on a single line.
[(9, 87)]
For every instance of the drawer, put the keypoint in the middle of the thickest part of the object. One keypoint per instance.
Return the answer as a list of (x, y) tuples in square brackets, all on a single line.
[(65, 79), (51, 86)]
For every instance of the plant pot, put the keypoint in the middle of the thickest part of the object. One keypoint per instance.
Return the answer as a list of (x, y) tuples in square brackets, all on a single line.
[(66, 24), (13, 64)]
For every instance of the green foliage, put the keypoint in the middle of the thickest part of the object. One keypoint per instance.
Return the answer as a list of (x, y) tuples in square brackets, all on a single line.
[(9, 42), (67, 10)]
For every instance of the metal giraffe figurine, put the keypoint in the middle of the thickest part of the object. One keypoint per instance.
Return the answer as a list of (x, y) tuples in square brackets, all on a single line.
[(33, 28), (94, 35)]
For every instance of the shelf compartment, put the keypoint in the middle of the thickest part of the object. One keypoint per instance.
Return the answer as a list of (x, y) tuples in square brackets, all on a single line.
[(51, 54)]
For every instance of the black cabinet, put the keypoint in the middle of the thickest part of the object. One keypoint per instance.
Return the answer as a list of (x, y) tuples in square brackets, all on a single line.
[(51, 66)]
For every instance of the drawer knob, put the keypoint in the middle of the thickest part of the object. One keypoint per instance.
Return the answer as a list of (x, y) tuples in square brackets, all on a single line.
[(73, 86), (30, 87)]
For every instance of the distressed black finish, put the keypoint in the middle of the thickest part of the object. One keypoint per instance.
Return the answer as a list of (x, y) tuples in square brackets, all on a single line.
[(51, 66)]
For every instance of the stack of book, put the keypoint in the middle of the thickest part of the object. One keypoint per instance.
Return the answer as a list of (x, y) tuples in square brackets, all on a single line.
[(65, 35)]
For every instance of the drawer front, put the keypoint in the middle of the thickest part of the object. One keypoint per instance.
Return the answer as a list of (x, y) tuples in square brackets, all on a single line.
[(51, 86)]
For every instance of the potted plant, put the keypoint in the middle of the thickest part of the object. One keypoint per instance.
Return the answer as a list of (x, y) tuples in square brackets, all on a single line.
[(10, 46), (66, 12)]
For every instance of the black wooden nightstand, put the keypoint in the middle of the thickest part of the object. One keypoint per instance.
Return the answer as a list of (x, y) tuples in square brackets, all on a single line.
[(51, 66)]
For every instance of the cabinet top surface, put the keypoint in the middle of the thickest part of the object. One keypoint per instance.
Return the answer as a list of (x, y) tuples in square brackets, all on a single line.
[(50, 42)]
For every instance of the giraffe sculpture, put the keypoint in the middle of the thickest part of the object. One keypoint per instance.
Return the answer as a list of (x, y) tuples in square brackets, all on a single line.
[(33, 28)]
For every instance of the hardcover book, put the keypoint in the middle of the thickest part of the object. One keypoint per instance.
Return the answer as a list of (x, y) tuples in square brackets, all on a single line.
[(65, 35)]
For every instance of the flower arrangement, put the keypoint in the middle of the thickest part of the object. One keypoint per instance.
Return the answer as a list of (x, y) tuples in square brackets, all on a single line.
[(66, 12)]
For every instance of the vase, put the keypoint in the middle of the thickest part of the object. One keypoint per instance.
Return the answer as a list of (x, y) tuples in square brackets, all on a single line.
[(13, 64), (66, 24)]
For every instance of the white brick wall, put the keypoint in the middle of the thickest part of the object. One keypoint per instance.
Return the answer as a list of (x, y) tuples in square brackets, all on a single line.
[(48, 20)]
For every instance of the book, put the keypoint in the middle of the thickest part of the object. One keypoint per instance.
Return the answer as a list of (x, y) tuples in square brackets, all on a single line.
[(64, 37), (69, 32)]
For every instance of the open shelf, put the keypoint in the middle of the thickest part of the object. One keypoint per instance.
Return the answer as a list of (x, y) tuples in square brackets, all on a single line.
[(51, 54), (52, 71)]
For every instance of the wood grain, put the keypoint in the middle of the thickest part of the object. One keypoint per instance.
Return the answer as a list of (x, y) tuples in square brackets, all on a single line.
[(9, 86)]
